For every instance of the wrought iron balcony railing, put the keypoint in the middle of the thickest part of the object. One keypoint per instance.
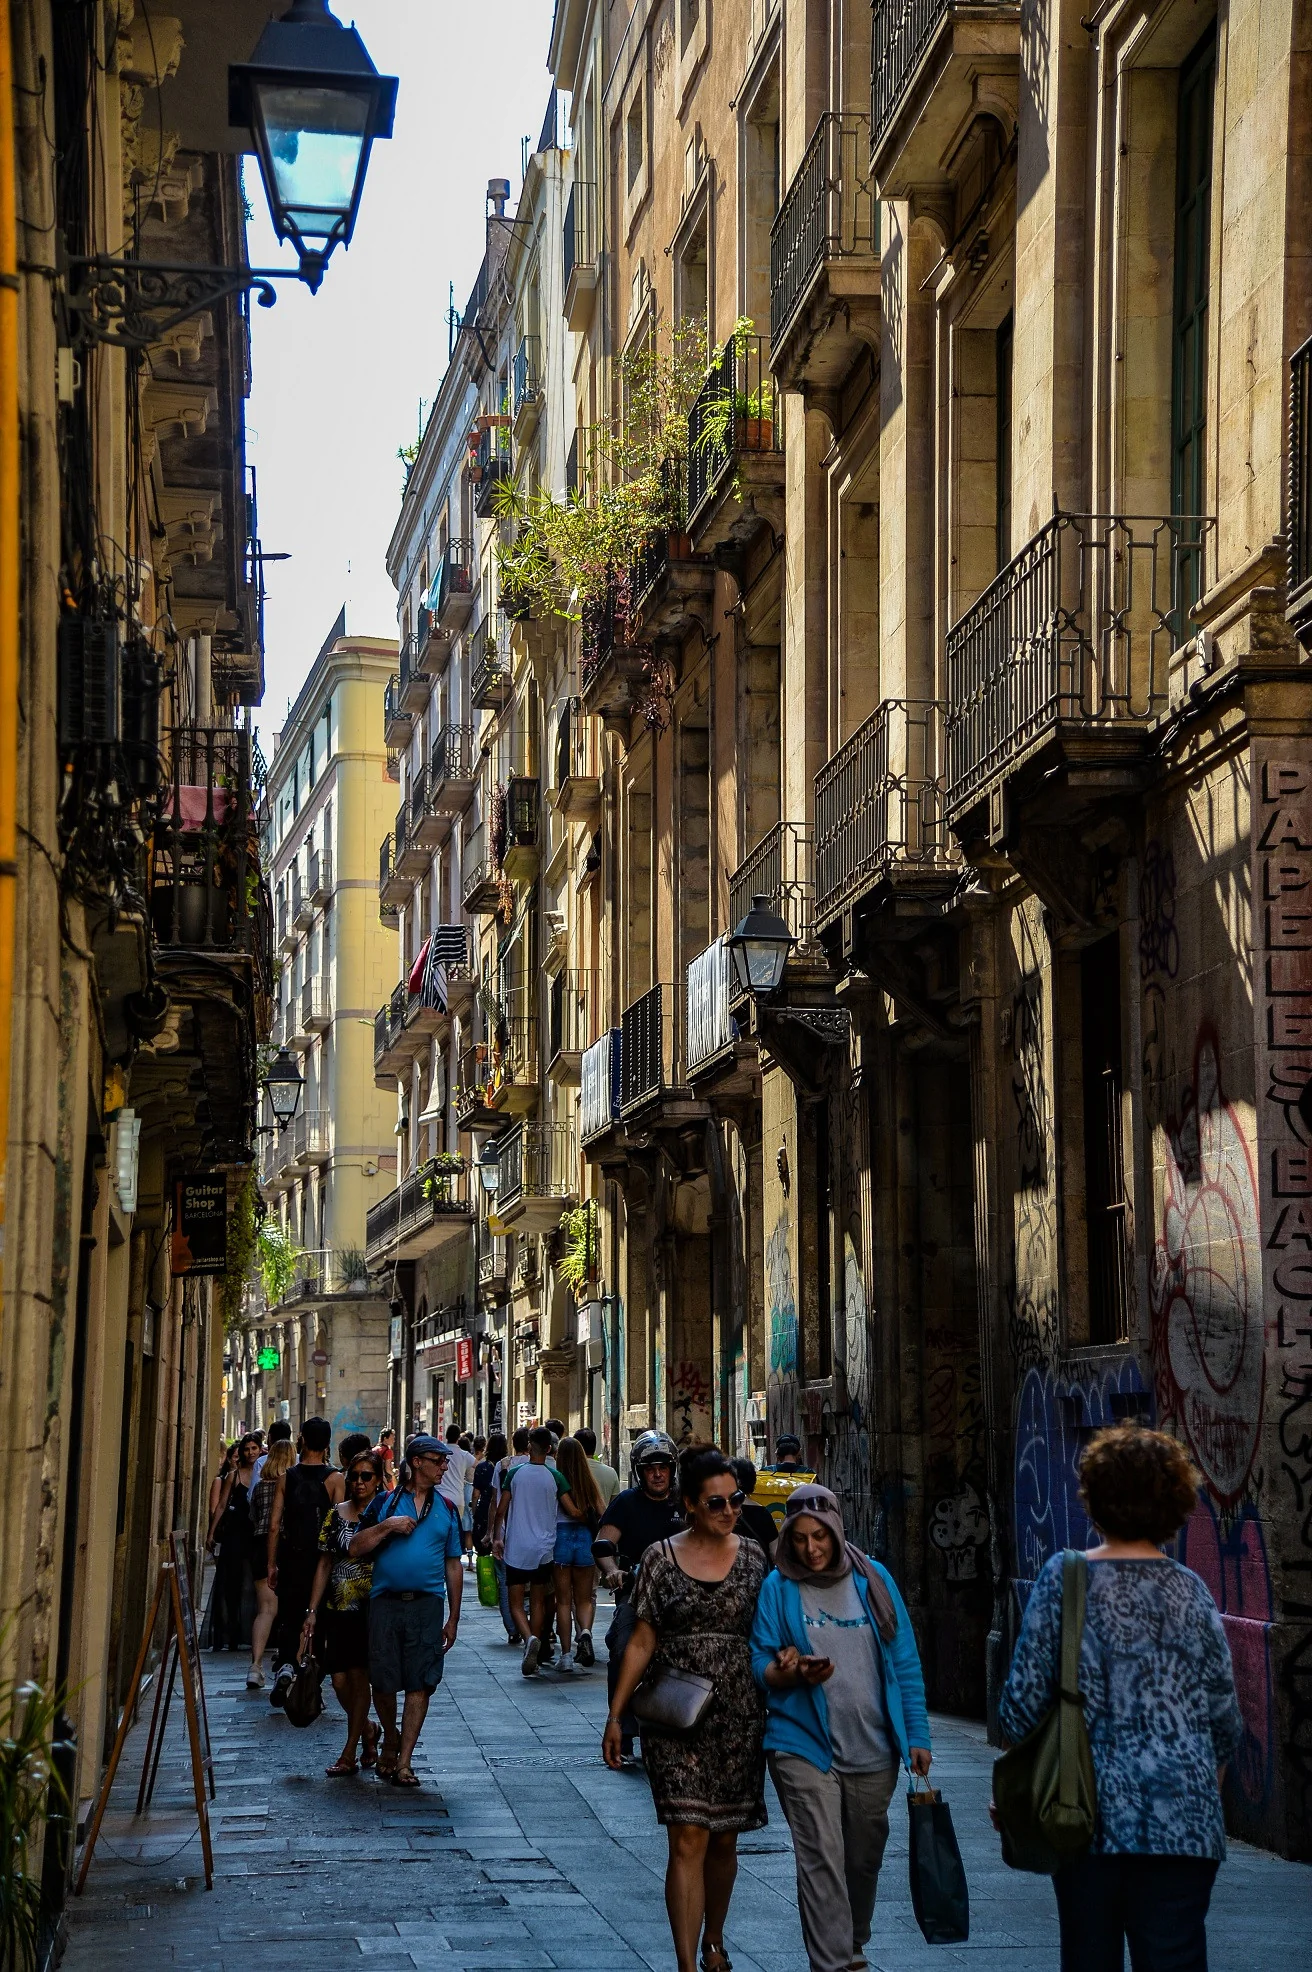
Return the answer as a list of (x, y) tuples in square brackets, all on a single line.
[(734, 412), (493, 458), (429, 1194), (528, 373), (1079, 629), (829, 212), (572, 999), (455, 585), (207, 892), (579, 241), (780, 868), (536, 1161), (647, 1047), (879, 802), (490, 681)]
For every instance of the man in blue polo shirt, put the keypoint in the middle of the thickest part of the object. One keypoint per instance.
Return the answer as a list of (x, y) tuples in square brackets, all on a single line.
[(412, 1537)]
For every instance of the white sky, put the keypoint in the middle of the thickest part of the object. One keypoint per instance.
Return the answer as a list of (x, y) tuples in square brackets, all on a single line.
[(337, 376)]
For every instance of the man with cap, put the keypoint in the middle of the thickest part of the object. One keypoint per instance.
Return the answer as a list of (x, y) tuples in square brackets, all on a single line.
[(412, 1537)]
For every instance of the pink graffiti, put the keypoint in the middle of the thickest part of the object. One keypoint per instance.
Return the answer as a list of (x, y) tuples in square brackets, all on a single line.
[(1208, 1337), (1232, 1561)]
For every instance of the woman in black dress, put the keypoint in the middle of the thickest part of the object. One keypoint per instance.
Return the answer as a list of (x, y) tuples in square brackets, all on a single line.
[(695, 1599), (337, 1621), (230, 1541)]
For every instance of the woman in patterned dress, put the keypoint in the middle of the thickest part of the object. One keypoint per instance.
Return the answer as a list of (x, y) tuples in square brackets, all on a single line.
[(1160, 1707), (694, 1601), (337, 1625)]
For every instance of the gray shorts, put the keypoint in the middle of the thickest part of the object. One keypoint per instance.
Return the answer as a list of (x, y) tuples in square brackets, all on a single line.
[(405, 1642)]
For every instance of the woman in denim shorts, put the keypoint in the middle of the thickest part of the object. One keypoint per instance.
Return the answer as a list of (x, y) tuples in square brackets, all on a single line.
[(575, 1572)]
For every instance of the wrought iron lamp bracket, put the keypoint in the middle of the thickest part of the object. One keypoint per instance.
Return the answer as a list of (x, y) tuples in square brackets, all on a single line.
[(133, 304), (831, 1025)]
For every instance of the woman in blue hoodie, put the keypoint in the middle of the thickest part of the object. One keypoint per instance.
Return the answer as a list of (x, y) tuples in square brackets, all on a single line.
[(834, 1652)]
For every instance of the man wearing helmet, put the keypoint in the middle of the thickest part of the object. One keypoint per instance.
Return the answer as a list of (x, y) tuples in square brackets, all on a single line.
[(634, 1521)]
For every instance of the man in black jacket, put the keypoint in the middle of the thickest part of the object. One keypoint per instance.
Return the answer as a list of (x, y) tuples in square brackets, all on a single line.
[(299, 1505)]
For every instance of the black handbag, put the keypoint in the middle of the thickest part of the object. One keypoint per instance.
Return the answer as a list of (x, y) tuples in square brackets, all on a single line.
[(672, 1701), (939, 1895), (304, 1700), (1044, 1789)]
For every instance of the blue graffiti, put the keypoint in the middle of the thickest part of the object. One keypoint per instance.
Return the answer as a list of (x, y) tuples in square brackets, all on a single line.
[(1055, 1417)]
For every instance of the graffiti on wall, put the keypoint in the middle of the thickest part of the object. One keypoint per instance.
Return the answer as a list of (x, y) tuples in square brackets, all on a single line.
[(1231, 1558), (1159, 938), (1055, 1417), (690, 1403), (781, 1381), (1032, 1317), (1206, 1282), (856, 1332)]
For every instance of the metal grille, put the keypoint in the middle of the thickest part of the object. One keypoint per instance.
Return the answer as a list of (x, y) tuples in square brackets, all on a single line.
[(646, 1046), (877, 802), (599, 1091), (710, 1026), (528, 372), (1080, 626), (571, 998), (779, 868), (901, 32), (829, 212), (536, 1161), (452, 757), (200, 895), (734, 412), (456, 575), (418, 797), (386, 865), (1300, 467), (578, 241)]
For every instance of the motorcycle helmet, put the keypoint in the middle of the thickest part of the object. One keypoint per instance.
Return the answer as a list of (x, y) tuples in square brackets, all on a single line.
[(651, 1448)]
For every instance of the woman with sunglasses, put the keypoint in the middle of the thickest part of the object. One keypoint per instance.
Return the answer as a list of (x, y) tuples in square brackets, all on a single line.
[(694, 1603), (337, 1626)]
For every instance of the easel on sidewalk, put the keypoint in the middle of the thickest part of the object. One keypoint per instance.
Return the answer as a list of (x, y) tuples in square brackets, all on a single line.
[(180, 1652)]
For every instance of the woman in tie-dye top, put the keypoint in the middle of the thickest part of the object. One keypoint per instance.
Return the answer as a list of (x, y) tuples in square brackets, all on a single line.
[(1160, 1706)]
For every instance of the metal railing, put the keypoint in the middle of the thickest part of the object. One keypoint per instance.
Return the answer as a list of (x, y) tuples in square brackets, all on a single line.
[(312, 1134), (829, 212), (523, 812), (205, 853), (537, 1161), (710, 1026), (427, 1195), (493, 460), (1078, 627), (455, 579), (418, 798), (528, 372), (316, 1010), (579, 231), (382, 1033), (386, 862), (394, 713), (601, 633), (401, 834), (599, 1090), (452, 757), (780, 868), (479, 866), (572, 998), (734, 412), (879, 801), (901, 32), (490, 679), (513, 1047), (1300, 468), (493, 1265), (647, 1047)]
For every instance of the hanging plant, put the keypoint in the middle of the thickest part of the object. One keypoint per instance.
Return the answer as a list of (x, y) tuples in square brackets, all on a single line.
[(278, 1255), (32, 1795), (655, 696), (243, 1233), (577, 1261), (498, 824)]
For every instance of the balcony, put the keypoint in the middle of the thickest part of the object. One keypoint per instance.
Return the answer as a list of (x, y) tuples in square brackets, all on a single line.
[(270, 1167), (671, 588), (397, 724), (302, 908), (735, 450), (493, 464), (451, 772), (207, 893), (319, 879), (879, 809), (539, 1176), (1299, 589), (824, 261), (579, 244), (599, 1088), (425, 1011), (1064, 661), (576, 795), (390, 1057), (474, 1109), (712, 1031), (288, 936), (512, 1081), (778, 868), (409, 855), (288, 1169), (520, 856), (427, 827), (527, 388), (312, 1137), (612, 675), (572, 1000), (528, 1266), (432, 642), (936, 64), (412, 684), (313, 1014), (647, 1050), (454, 600), (393, 888), (489, 689), (480, 888), (493, 1267), (426, 1212)]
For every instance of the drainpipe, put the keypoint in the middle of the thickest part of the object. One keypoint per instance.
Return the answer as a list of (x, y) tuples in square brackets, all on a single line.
[(8, 590)]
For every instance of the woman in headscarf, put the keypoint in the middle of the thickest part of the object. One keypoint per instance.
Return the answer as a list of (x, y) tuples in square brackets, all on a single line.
[(834, 1652)]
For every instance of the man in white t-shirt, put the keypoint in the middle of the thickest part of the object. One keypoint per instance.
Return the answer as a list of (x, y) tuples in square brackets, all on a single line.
[(459, 1470), (524, 1536)]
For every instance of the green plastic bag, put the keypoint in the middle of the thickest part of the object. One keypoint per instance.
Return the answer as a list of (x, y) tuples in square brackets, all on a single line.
[(488, 1593), (1044, 1789)]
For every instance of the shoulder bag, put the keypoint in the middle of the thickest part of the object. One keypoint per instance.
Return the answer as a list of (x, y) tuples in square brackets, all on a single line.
[(670, 1700), (1044, 1789)]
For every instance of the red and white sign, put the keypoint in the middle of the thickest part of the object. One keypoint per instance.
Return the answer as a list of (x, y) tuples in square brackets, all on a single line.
[(464, 1359), (320, 1357)]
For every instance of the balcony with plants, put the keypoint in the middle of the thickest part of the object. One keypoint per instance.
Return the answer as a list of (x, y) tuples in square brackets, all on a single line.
[(472, 1104), (425, 1212), (824, 261), (512, 1059), (207, 891), (735, 448), (537, 1176)]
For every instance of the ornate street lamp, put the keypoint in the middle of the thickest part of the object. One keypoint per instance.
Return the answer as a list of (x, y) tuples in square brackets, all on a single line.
[(489, 1170), (760, 945), (314, 102), (283, 1085)]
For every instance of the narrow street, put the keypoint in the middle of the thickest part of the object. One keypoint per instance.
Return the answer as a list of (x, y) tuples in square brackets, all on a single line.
[(522, 1851)]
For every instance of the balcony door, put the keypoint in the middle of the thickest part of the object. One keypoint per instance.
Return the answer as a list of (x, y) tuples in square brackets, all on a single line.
[(1193, 214)]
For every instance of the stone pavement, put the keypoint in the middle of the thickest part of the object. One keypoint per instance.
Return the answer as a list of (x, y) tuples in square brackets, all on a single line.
[(522, 1851)]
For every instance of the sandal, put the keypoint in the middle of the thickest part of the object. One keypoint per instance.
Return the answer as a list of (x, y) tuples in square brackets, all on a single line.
[(715, 1959), (369, 1750), (340, 1767), (403, 1777)]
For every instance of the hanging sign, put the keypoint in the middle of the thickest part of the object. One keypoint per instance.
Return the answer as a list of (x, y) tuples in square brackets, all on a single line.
[(200, 1224), (268, 1359), (464, 1359)]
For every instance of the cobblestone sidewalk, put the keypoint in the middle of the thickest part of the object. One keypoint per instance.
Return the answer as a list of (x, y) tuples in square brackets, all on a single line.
[(522, 1851)]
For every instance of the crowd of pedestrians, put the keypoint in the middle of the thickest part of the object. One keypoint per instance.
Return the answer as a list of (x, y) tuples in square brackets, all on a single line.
[(738, 1645)]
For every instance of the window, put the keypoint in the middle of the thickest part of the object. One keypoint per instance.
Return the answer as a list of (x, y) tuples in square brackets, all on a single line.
[(1002, 468), (633, 144), (1193, 213)]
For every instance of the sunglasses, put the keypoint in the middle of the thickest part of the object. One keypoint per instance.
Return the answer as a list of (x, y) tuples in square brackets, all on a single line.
[(364, 1473), (718, 1503)]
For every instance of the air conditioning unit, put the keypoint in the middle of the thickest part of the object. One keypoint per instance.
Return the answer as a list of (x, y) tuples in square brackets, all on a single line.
[(89, 705)]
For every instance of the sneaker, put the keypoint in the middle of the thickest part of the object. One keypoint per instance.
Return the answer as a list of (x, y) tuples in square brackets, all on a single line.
[(584, 1652), (532, 1653), (566, 1664), (282, 1684), (255, 1678)]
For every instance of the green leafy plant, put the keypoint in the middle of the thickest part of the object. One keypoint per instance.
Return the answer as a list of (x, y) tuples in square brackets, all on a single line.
[(352, 1265), (278, 1254), (243, 1236), (31, 1791), (578, 1261)]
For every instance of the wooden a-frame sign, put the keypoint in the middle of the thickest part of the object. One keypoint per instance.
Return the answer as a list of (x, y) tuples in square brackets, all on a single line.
[(181, 1652)]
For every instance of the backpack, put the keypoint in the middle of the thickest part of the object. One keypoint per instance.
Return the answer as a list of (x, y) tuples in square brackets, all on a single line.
[(303, 1507)]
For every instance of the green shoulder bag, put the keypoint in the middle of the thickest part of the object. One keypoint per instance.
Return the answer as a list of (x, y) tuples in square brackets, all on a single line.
[(1044, 1789)]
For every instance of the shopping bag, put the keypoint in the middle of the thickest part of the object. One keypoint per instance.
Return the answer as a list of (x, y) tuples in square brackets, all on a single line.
[(486, 1570), (938, 1881)]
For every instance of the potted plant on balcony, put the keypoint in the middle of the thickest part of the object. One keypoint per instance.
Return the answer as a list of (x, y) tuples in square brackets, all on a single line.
[(439, 1174)]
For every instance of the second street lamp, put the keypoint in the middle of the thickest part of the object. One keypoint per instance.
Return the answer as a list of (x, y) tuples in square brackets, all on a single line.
[(489, 1170), (760, 944)]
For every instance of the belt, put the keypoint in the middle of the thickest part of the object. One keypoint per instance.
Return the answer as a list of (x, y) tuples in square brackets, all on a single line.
[(408, 1595)]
